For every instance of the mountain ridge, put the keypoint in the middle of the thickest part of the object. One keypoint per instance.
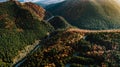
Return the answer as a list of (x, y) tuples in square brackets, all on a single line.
[(89, 14), (61, 44)]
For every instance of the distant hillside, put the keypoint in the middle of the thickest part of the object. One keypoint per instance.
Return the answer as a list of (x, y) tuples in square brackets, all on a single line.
[(45, 3), (20, 26), (77, 49), (59, 22), (41, 4), (89, 14)]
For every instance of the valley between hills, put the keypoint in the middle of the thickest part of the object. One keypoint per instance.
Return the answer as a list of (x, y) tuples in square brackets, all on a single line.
[(33, 36)]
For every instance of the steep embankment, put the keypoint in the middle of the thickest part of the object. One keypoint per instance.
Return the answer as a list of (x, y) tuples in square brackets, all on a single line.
[(89, 14), (19, 27)]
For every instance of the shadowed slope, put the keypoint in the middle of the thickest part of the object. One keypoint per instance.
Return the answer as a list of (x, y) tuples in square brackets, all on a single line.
[(59, 22), (89, 14)]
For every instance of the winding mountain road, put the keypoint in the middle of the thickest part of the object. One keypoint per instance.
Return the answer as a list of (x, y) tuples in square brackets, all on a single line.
[(23, 59), (92, 31), (50, 18), (69, 30)]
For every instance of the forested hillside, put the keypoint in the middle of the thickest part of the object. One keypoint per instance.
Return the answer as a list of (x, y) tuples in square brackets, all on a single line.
[(19, 28), (89, 14), (65, 48), (59, 44)]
